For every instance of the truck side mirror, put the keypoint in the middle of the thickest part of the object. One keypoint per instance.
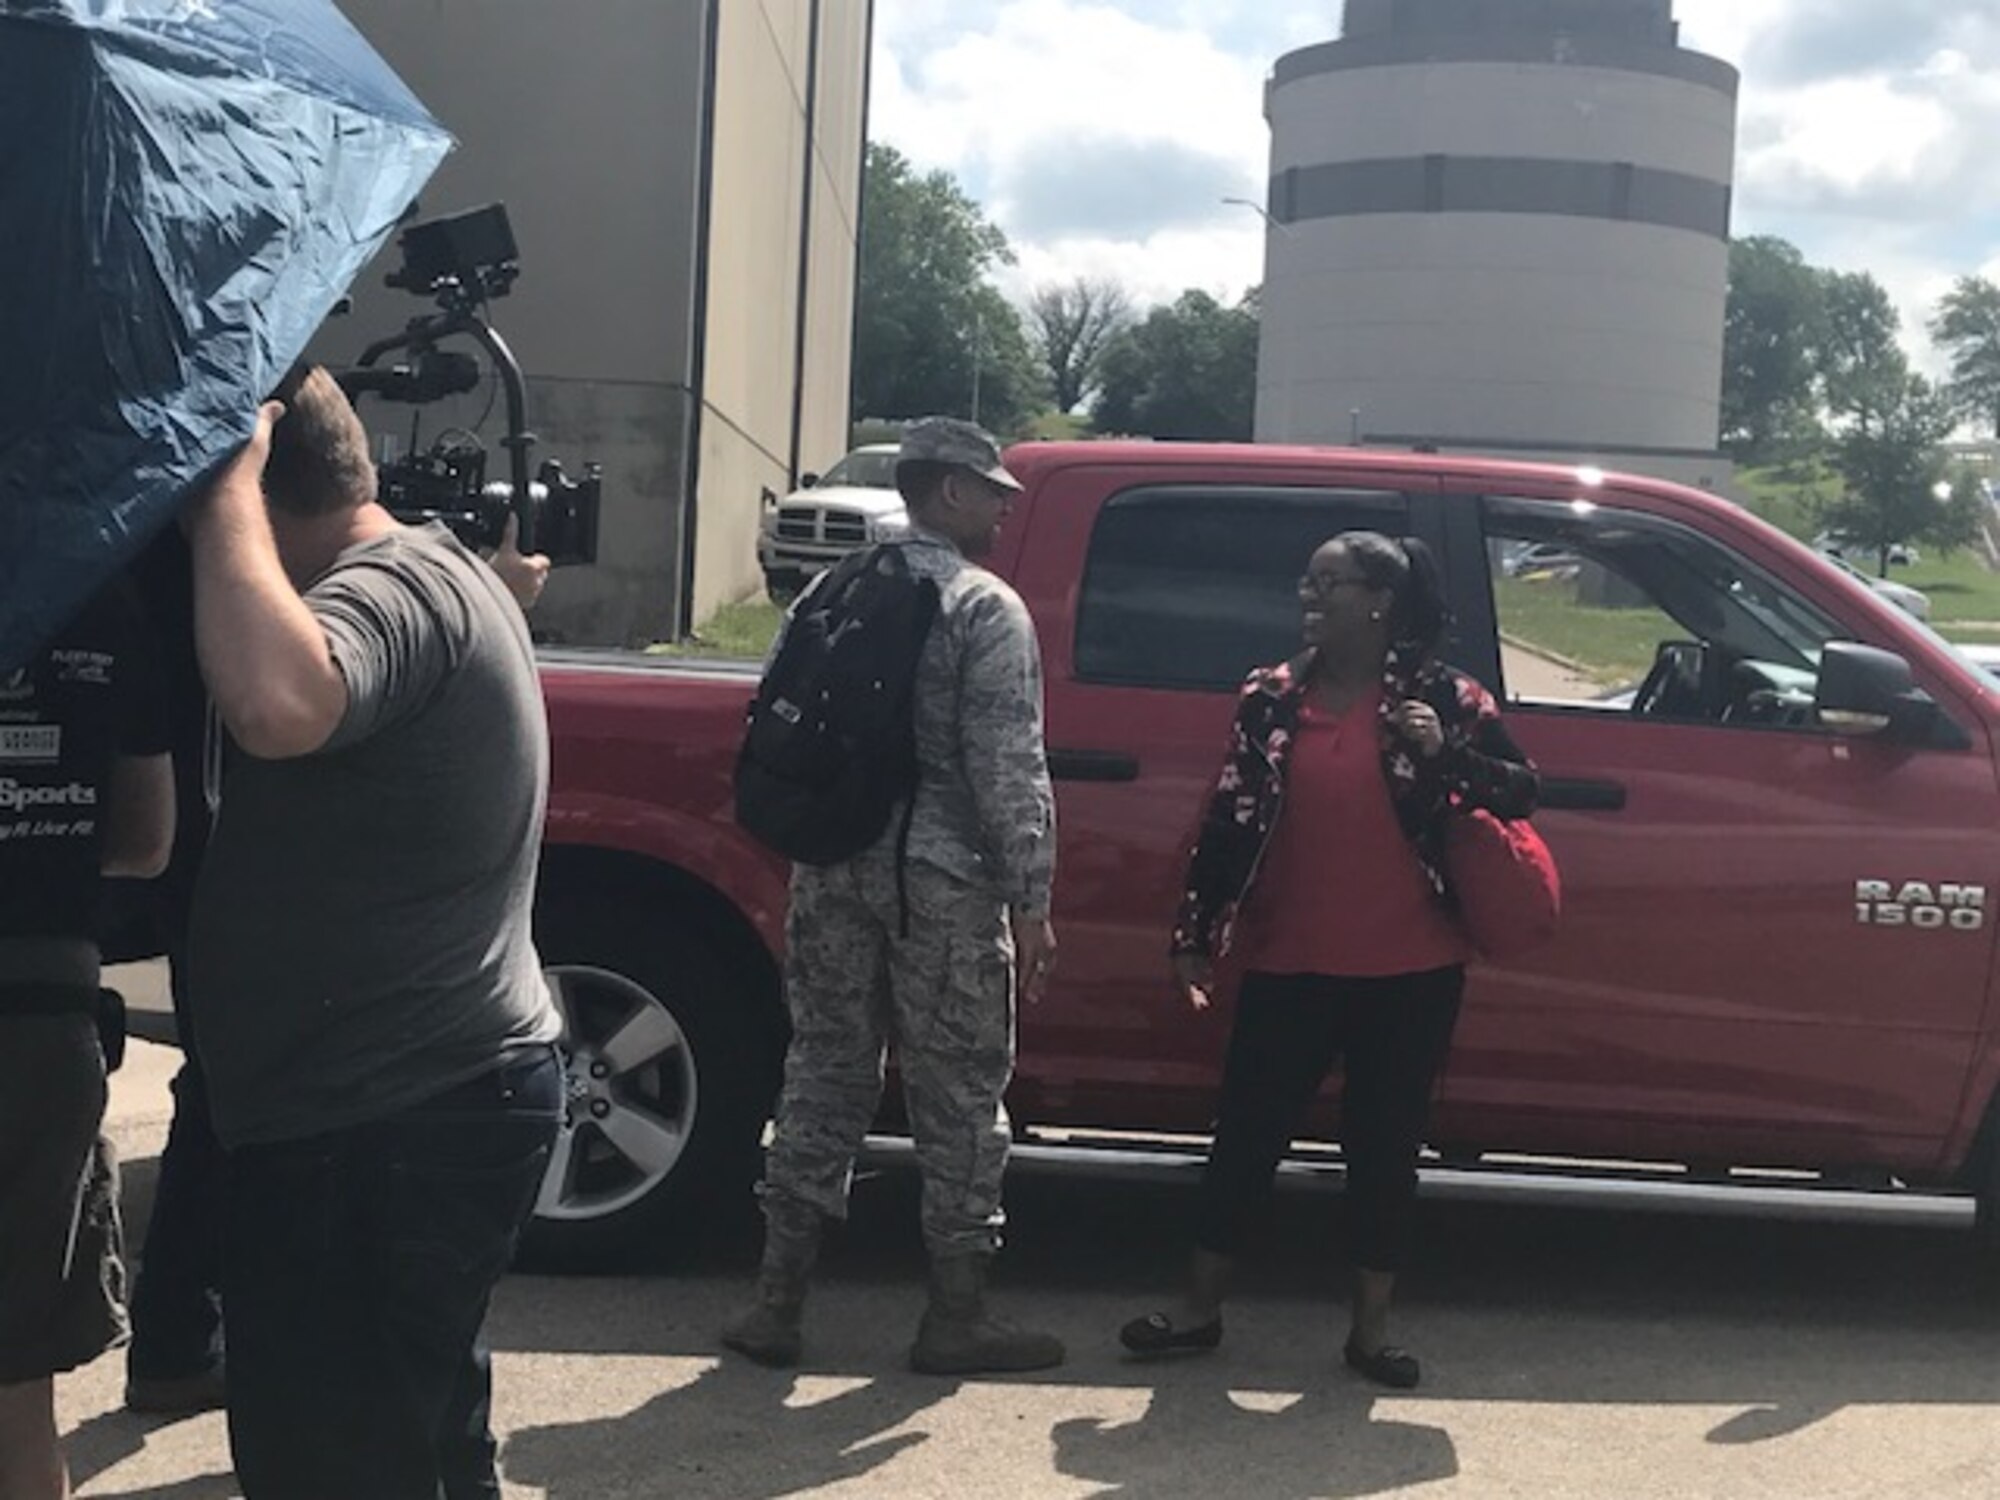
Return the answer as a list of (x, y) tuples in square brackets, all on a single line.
[(808, 479), (1864, 691)]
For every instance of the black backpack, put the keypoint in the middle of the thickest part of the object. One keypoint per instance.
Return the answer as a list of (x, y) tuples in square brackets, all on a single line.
[(831, 745)]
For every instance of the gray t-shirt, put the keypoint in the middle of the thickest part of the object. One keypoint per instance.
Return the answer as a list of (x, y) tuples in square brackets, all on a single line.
[(361, 929)]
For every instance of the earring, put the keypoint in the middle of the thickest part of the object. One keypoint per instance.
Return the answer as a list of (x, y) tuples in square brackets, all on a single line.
[(1376, 616)]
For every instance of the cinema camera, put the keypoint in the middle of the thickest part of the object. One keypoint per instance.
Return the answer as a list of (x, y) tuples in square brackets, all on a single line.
[(464, 262)]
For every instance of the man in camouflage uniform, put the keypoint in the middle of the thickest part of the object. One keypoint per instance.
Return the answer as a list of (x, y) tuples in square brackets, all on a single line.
[(940, 987)]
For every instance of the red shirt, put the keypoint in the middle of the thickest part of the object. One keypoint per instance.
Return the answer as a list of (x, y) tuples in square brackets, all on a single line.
[(1340, 890)]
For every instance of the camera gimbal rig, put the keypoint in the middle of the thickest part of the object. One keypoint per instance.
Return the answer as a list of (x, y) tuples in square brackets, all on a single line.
[(466, 261)]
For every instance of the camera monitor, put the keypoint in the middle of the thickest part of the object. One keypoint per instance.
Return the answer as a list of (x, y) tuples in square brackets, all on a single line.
[(468, 250)]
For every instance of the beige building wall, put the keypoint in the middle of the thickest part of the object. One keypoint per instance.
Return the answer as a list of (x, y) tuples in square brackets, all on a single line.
[(659, 211), (782, 228), (585, 118)]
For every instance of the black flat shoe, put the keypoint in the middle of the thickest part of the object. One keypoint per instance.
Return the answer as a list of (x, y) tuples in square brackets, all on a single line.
[(1396, 1368), (1155, 1334)]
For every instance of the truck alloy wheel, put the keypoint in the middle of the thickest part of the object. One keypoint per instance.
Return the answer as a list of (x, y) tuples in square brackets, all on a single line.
[(632, 1094), (673, 1049)]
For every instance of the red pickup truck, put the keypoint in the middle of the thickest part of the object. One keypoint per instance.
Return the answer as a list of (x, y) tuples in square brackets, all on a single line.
[(1774, 797)]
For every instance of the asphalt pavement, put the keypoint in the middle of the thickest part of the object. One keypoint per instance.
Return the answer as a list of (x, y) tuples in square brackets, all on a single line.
[(1573, 1347)]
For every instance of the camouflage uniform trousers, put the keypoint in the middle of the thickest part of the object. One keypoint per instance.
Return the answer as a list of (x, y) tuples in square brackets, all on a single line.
[(942, 997)]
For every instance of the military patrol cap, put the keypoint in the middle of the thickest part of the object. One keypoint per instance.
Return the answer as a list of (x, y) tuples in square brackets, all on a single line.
[(963, 445)]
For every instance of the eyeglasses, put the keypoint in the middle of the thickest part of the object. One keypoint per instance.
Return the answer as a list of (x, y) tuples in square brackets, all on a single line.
[(1323, 585)]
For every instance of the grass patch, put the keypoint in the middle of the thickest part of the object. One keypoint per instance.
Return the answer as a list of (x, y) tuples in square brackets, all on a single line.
[(1964, 592), (1056, 427), (1612, 647), (1961, 587), (742, 630)]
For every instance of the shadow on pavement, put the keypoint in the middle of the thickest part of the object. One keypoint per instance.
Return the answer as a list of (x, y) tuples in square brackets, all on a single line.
[(1781, 1322), (1197, 1440), (728, 1434), (103, 1442)]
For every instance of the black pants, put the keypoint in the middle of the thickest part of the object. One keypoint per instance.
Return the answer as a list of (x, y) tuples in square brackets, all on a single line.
[(1393, 1035), (359, 1266), (176, 1300)]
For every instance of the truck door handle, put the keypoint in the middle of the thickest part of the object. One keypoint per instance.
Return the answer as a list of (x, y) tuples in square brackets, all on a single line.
[(1582, 794), (1093, 765)]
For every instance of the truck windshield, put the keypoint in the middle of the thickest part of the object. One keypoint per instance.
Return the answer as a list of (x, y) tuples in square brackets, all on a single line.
[(864, 471)]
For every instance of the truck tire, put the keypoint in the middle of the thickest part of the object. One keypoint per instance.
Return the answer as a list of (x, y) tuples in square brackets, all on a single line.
[(671, 1067)]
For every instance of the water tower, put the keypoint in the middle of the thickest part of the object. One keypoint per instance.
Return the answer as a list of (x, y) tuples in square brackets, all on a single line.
[(1501, 226)]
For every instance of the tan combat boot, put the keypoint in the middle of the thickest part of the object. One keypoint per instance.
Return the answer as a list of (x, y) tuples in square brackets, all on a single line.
[(768, 1331), (960, 1337)]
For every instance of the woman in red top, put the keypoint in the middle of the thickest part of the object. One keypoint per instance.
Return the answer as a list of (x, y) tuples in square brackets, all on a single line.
[(1322, 860)]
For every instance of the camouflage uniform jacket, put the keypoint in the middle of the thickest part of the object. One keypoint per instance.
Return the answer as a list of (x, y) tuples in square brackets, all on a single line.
[(985, 809), (1479, 767)]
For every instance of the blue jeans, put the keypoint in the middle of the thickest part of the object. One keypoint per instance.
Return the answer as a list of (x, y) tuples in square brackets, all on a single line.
[(359, 1266)]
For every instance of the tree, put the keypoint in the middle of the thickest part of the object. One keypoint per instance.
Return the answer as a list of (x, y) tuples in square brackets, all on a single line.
[(1187, 371), (1893, 462), (1967, 326), (1770, 334), (1071, 323), (1864, 376), (1011, 385), (931, 333)]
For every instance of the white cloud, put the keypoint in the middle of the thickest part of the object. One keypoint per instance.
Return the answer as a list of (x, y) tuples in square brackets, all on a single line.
[(1851, 140), (1008, 103), (1726, 28), (1917, 142)]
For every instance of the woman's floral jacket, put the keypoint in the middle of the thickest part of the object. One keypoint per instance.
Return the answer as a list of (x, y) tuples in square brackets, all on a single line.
[(1479, 767)]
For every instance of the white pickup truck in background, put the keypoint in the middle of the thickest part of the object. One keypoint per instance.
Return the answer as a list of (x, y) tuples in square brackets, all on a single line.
[(814, 527)]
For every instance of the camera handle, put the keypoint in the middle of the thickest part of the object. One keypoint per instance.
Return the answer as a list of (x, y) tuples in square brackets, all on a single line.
[(422, 335)]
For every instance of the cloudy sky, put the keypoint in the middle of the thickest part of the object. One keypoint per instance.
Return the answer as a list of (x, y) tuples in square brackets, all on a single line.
[(1102, 135)]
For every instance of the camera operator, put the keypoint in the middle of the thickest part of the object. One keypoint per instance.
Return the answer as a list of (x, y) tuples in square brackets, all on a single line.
[(86, 789), (374, 1024), (174, 1363)]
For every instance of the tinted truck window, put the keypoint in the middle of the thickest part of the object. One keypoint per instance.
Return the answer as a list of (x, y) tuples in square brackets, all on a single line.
[(1190, 586)]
